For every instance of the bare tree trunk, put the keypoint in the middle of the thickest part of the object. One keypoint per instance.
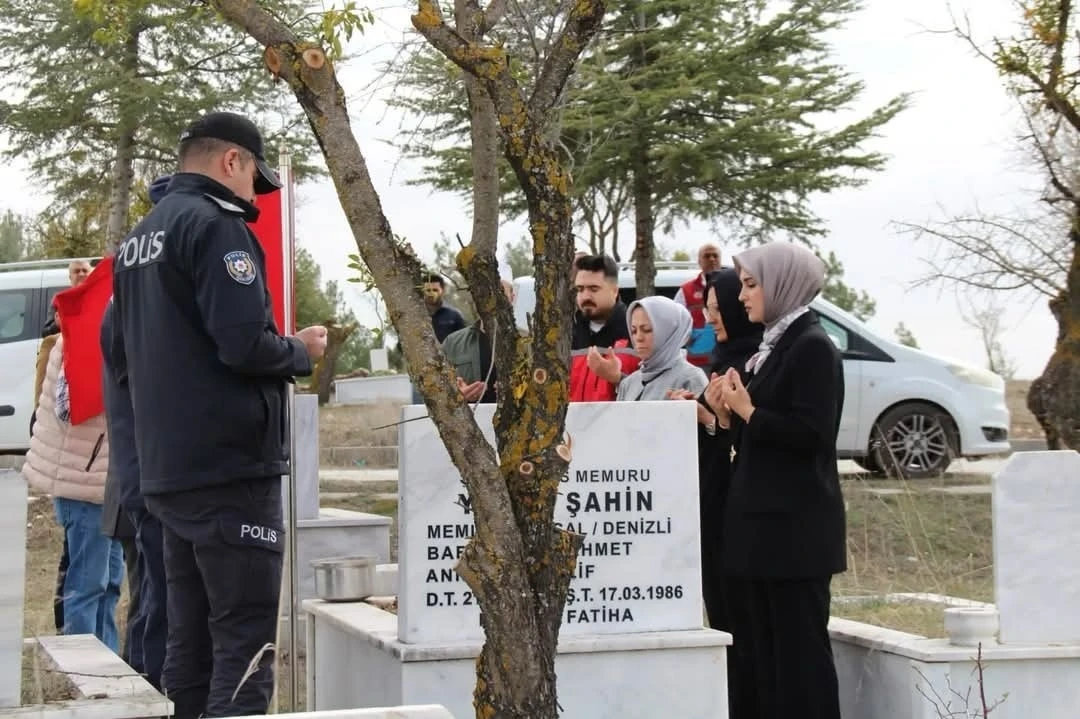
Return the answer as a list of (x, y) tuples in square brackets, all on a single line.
[(322, 379), (518, 564), (644, 224), (1054, 397), (123, 172)]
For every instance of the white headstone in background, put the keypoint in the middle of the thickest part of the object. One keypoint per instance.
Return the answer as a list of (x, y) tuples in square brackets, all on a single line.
[(12, 583), (306, 459), (380, 360), (1036, 519), (632, 488)]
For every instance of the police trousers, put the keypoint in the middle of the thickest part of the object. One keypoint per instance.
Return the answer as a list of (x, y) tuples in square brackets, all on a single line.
[(223, 550)]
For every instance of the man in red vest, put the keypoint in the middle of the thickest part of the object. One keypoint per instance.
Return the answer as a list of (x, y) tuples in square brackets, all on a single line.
[(692, 296)]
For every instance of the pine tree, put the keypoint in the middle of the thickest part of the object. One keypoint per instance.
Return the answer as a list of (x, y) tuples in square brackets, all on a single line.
[(101, 92), (684, 109)]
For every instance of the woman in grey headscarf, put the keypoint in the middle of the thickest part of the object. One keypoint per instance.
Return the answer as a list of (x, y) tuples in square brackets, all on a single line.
[(660, 328), (784, 526)]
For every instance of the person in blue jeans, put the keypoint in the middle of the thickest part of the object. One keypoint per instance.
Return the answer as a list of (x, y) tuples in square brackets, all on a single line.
[(70, 462)]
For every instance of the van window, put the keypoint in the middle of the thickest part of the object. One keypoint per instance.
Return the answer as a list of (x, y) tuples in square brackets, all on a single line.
[(15, 316), (836, 333)]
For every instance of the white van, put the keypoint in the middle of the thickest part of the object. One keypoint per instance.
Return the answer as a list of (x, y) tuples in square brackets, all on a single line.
[(904, 409), (26, 292)]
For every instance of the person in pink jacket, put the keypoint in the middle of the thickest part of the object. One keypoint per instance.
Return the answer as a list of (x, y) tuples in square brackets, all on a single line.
[(69, 462)]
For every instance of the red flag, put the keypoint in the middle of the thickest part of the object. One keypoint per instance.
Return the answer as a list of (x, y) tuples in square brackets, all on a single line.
[(80, 310), (268, 230)]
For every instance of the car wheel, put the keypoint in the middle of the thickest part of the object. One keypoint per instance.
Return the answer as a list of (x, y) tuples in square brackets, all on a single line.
[(868, 464), (914, 441)]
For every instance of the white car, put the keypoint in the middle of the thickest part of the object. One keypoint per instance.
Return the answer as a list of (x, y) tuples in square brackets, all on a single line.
[(26, 292), (906, 411)]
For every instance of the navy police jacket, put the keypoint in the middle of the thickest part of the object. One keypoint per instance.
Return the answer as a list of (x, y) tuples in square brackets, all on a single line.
[(122, 482), (205, 361)]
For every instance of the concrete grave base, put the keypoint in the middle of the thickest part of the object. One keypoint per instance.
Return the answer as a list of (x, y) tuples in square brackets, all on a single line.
[(107, 687), (356, 660)]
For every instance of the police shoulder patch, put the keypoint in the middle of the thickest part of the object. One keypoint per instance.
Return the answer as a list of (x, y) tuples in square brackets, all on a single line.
[(240, 267)]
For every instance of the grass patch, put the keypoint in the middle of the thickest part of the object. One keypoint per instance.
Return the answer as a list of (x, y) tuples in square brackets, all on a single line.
[(917, 541), (927, 619)]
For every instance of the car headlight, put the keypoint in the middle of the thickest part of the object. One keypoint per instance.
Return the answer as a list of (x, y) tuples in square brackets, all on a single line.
[(977, 376)]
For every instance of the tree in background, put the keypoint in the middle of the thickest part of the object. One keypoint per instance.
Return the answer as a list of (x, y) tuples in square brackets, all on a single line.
[(518, 256), (857, 302), (103, 91), (905, 337), (988, 321), (15, 243), (683, 110), (1033, 250), (324, 304)]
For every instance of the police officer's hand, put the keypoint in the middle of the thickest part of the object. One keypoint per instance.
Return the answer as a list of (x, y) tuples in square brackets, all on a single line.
[(314, 338)]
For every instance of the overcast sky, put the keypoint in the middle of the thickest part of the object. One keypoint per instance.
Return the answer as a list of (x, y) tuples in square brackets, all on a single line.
[(952, 149)]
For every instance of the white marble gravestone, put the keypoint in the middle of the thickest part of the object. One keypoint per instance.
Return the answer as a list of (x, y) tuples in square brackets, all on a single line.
[(632, 489), (380, 360), (12, 583), (1036, 517), (306, 459)]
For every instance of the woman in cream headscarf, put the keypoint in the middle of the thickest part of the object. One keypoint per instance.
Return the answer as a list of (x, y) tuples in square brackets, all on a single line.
[(660, 328), (784, 526)]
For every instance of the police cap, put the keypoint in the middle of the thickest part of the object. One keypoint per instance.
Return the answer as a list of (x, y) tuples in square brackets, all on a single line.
[(242, 132)]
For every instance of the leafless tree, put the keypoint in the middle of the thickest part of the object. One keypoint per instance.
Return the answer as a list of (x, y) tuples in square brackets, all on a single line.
[(1034, 250)]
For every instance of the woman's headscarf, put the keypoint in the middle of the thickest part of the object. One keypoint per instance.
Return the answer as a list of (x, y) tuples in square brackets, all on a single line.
[(743, 336), (671, 323), (790, 276)]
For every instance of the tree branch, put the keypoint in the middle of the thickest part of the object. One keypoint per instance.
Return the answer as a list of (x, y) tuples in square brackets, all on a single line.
[(582, 24)]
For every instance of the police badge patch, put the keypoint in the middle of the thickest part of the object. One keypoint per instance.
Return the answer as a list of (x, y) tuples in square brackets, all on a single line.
[(240, 266)]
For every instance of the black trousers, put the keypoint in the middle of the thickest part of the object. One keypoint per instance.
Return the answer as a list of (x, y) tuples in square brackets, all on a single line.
[(130, 653), (223, 550), (147, 631), (782, 660)]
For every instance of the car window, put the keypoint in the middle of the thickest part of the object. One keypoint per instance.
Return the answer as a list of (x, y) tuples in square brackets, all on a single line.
[(15, 316), (836, 333), (629, 294)]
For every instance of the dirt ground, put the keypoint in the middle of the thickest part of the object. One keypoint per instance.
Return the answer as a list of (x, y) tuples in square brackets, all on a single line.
[(1024, 425)]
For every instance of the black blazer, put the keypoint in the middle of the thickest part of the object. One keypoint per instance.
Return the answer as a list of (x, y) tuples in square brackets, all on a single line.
[(784, 517)]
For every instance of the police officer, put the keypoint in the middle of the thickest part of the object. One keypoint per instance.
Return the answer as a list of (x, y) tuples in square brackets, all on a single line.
[(207, 369)]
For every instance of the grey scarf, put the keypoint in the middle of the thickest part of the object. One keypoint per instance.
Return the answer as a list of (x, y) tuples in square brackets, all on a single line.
[(671, 323), (790, 276)]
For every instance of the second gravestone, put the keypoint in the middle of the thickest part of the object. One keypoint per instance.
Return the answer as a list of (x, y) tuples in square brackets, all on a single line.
[(631, 489)]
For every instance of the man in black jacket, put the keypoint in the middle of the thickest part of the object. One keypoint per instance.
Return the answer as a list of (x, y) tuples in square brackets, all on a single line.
[(208, 370), (123, 512)]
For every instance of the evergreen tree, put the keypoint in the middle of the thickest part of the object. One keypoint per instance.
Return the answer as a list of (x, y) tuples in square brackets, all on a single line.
[(13, 239), (857, 302), (685, 109), (100, 93), (905, 337)]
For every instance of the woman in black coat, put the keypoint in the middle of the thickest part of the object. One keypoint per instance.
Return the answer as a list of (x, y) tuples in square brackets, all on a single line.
[(784, 526), (737, 339)]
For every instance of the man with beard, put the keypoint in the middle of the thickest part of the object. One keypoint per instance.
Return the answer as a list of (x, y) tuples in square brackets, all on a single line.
[(601, 354), (445, 319)]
